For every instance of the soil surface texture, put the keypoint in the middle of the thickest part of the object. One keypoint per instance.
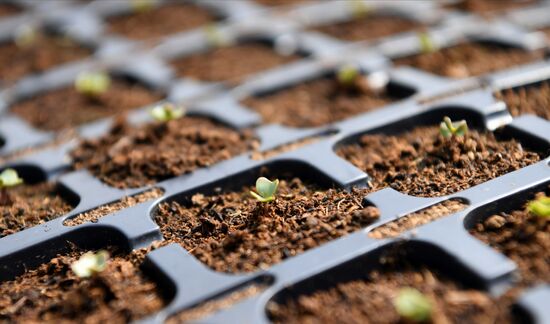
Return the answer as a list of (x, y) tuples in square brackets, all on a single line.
[(524, 238), (135, 156), (369, 27), (416, 219), (31, 205), (47, 52), (53, 293), (230, 63), (370, 299), (161, 21), (484, 6), (470, 59), (129, 201), (317, 103), (528, 100), (232, 232), (422, 163), (64, 108)]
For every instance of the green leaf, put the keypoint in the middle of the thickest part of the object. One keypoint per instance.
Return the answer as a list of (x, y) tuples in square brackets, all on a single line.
[(25, 36), (265, 189), (10, 178), (412, 305), (426, 43), (92, 83), (540, 206), (90, 263), (444, 130), (347, 75), (448, 129), (167, 112)]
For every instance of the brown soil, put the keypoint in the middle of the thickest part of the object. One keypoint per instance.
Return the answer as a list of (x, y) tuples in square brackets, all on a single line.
[(470, 59), (528, 100), (485, 6), (416, 219), (273, 3), (216, 305), (47, 52), (316, 103), (31, 205), (138, 156), (524, 238), (7, 9), (94, 215), (65, 107), (53, 294), (230, 63), (160, 21), (421, 162), (369, 27), (231, 232), (370, 300)]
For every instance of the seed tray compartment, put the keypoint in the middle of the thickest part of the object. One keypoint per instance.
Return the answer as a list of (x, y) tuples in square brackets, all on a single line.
[(181, 276)]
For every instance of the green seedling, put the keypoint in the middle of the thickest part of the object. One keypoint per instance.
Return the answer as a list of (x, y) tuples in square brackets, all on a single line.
[(8, 178), (25, 36), (215, 37), (359, 8), (166, 112), (90, 264), (348, 75), (412, 305), (447, 128), (92, 84), (426, 43), (142, 5), (265, 189), (540, 207)]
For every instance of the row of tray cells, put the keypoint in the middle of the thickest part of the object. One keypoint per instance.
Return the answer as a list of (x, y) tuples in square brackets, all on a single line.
[(492, 224)]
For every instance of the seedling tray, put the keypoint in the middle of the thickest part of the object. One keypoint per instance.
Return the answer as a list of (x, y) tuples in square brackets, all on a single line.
[(306, 152)]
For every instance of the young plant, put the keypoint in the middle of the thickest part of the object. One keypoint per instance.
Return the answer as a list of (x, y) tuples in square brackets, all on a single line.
[(447, 128), (166, 112), (215, 36), (25, 36), (92, 84), (348, 75), (90, 264), (8, 178), (143, 5), (265, 189), (540, 207), (426, 43), (412, 305)]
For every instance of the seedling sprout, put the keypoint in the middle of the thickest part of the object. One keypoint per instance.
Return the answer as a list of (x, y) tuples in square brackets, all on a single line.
[(540, 206), (25, 36), (142, 5), (166, 112), (215, 37), (8, 178), (347, 75), (412, 305), (426, 43), (266, 189), (92, 84), (447, 128), (90, 264)]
